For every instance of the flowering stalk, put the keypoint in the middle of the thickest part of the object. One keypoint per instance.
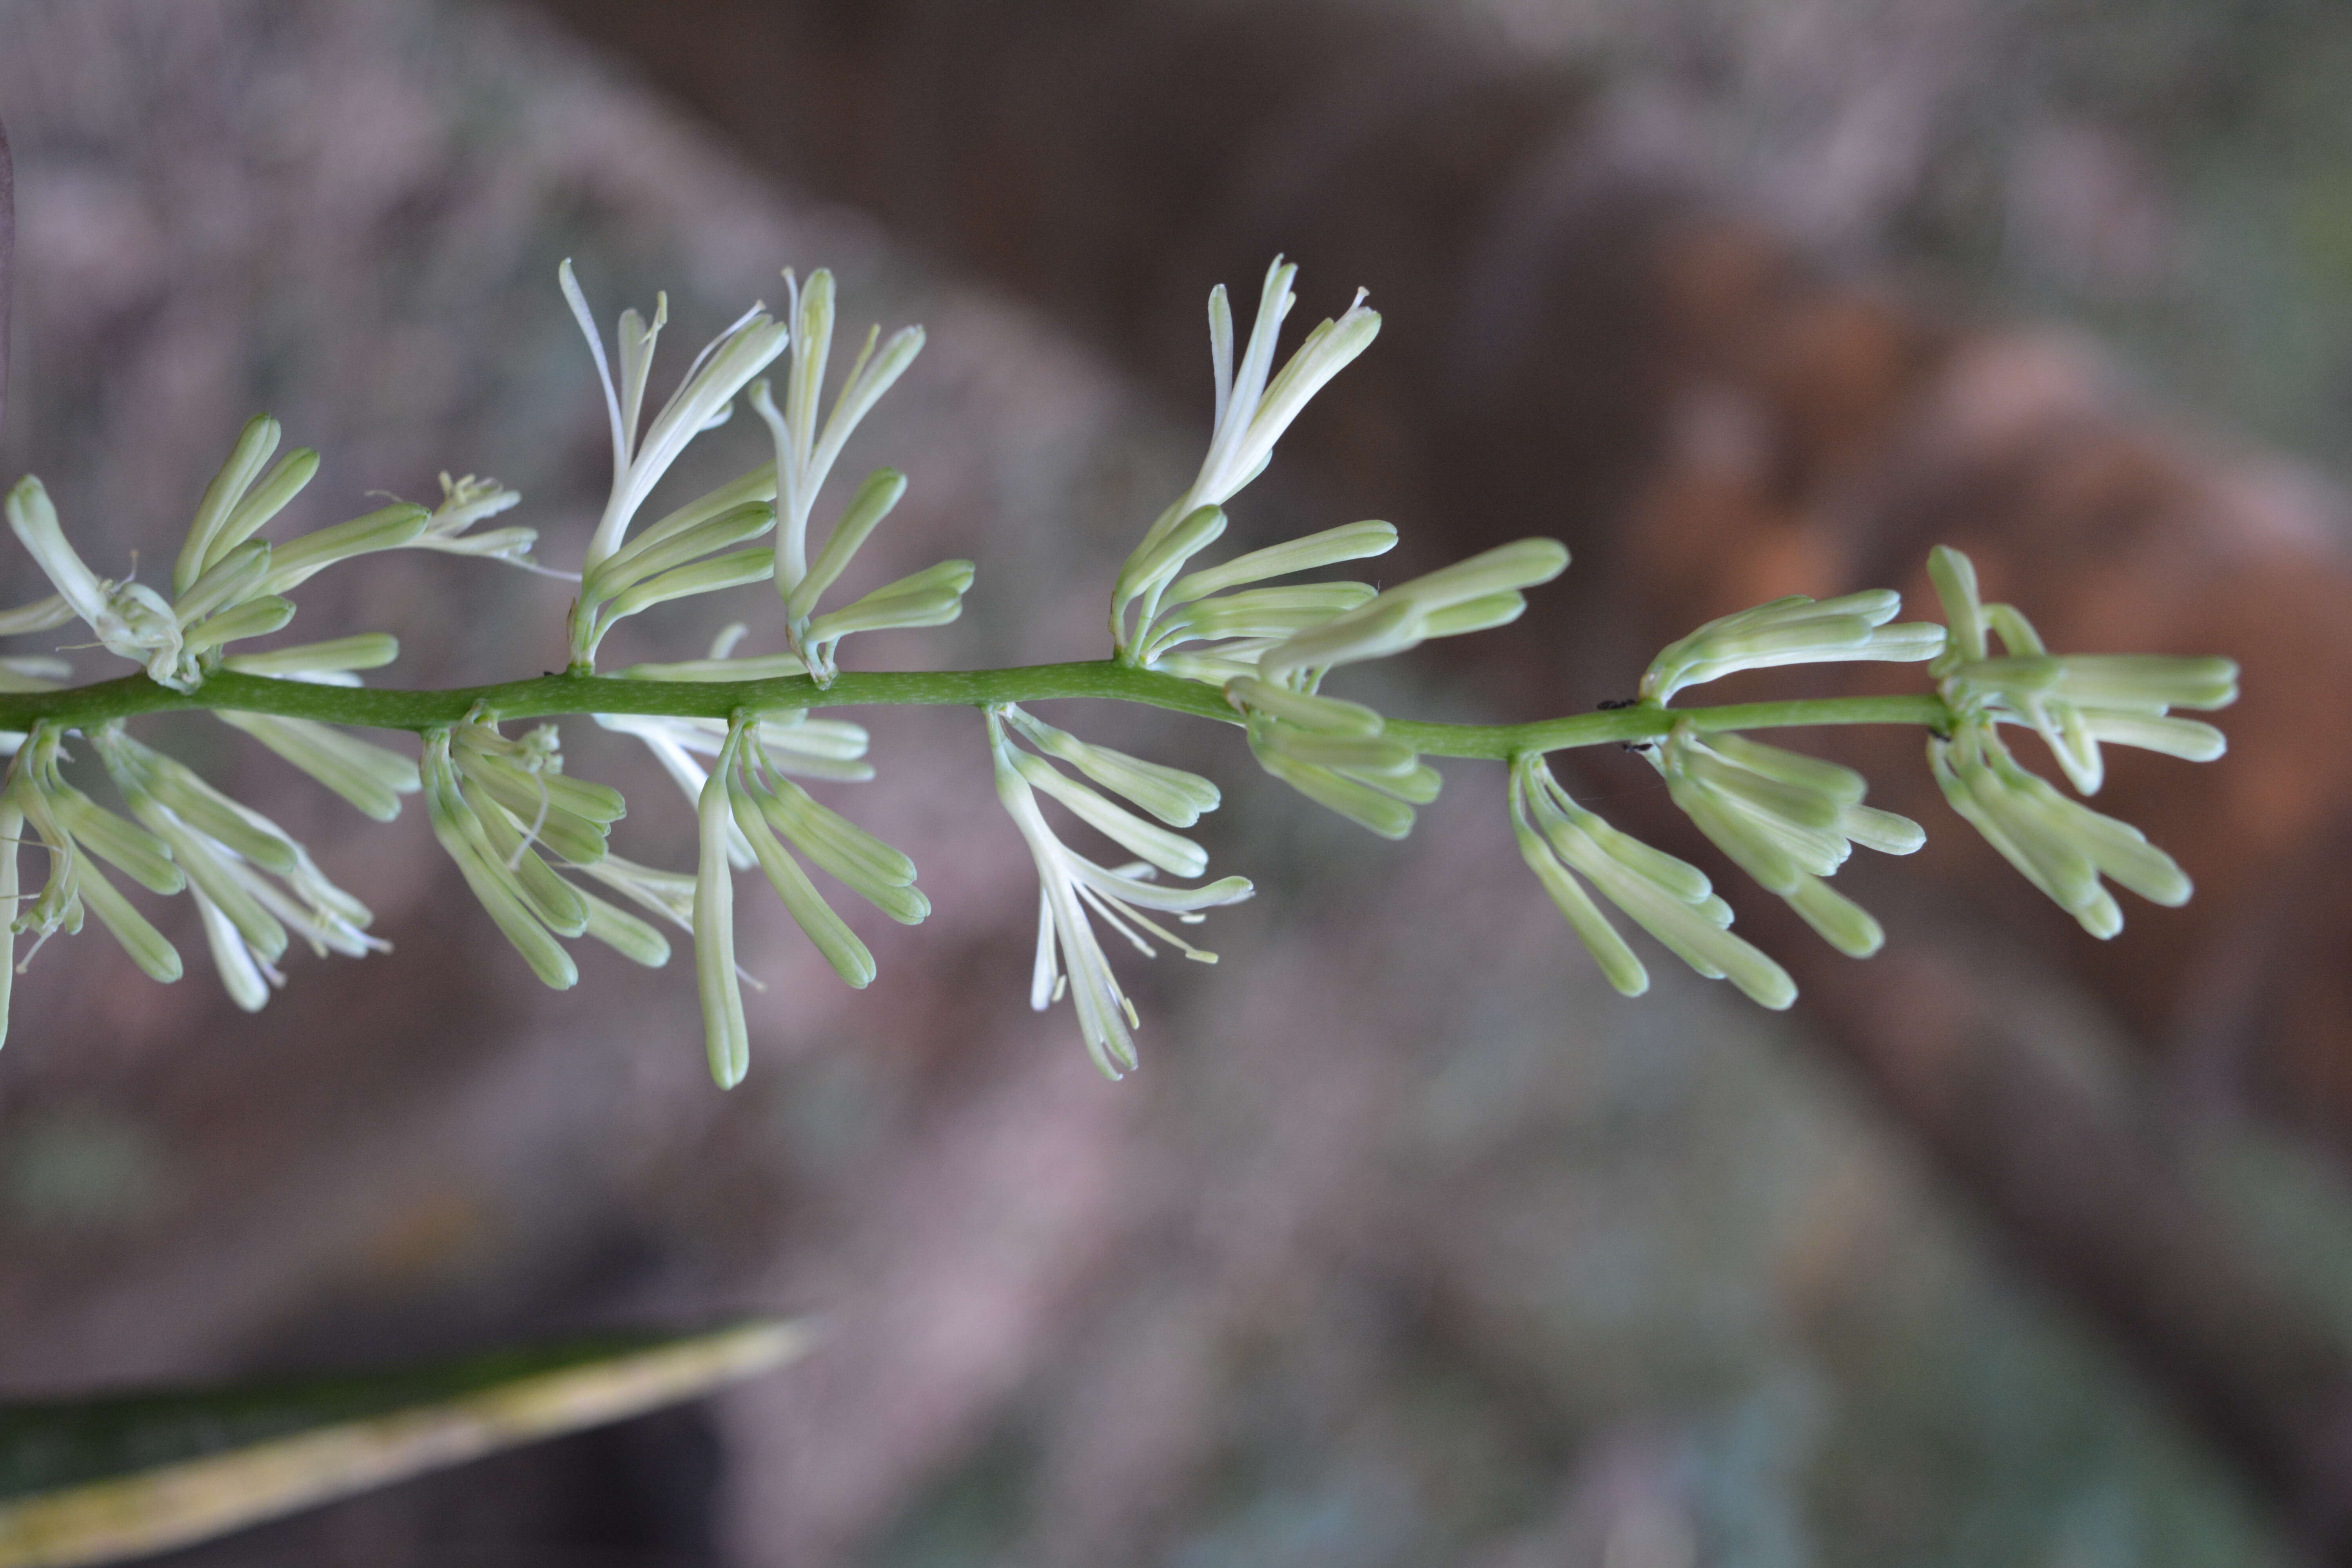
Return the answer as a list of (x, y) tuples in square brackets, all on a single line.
[(1250, 641)]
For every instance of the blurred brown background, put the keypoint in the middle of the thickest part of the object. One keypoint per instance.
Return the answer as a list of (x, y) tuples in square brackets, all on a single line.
[(1411, 1244)]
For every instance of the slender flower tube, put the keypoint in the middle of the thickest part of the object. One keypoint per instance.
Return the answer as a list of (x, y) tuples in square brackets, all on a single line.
[(2075, 701), (1793, 630), (1070, 958), (1670, 899), (1254, 405), (1788, 820), (726, 1038)]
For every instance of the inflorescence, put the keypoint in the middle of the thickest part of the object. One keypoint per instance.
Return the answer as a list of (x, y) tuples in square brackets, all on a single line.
[(737, 733)]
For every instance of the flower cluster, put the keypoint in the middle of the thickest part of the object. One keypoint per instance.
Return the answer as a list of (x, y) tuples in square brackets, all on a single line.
[(1269, 649), (1792, 630), (1788, 820), (2075, 702), (1070, 958), (1670, 899), (746, 806)]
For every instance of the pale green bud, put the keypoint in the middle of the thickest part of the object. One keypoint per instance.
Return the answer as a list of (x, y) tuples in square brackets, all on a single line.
[(1314, 713), (234, 576), (364, 650), (253, 618), (726, 1037), (624, 933), (825, 928), (1174, 795), (252, 447), (1351, 541), (40, 615), (873, 501), (1172, 853), (148, 949), (264, 501), (646, 557), (299, 559)]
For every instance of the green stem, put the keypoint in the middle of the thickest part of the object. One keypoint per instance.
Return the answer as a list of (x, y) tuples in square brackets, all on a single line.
[(385, 708)]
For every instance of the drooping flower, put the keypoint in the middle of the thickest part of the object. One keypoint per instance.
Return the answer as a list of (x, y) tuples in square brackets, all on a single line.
[(1072, 889), (2061, 845), (252, 882), (1788, 820), (1670, 899), (497, 801), (744, 800)]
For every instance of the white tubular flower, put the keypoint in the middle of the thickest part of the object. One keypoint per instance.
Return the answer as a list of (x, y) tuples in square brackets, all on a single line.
[(466, 501), (1467, 596), (788, 742), (226, 584), (664, 563), (1238, 623), (2075, 701), (787, 739), (526, 912), (727, 1039), (703, 399), (1670, 899), (744, 802), (130, 619), (1787, 820), (251, 882), (40, 615), (805, 455), (495, 802), (1252, 413), (2063, 846), (370, 776), (722, 664), (1336, 753), (524, 776), (235, 507), (1069, 955), (331, 663), (78, 833), (1794, 630)]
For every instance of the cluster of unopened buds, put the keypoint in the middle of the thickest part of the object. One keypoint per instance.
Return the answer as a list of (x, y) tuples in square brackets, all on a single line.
[(737, 733)]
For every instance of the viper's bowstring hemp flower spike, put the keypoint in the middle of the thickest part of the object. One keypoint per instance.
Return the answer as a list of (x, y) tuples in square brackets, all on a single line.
[(530, 840), (1070, 959)]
